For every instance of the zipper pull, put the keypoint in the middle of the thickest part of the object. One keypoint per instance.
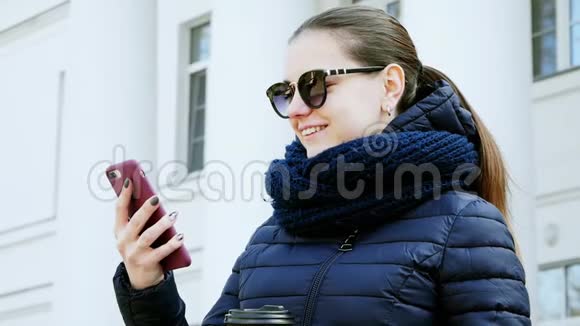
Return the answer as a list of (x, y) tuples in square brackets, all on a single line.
[(346, 245)]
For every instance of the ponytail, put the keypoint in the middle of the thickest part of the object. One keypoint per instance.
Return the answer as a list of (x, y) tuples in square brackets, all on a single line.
[(492, 183)]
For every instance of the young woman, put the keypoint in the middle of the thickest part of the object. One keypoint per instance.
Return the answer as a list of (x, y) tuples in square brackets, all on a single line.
[(389, 207)]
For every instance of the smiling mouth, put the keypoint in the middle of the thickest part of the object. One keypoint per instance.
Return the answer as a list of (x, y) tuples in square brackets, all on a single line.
[(313, 130)]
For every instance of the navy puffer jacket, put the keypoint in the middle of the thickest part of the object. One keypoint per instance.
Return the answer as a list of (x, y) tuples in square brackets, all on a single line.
[(447, 261)]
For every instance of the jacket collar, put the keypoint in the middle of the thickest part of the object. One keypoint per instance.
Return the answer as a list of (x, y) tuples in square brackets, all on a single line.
[(439, 109)]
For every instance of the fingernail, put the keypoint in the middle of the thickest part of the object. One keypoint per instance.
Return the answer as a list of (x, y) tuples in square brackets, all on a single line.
[(126, 184), (173, 216), (154, 201), (180, 236)]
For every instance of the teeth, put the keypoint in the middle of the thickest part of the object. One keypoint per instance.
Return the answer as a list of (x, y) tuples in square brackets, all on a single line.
[(309, 131)]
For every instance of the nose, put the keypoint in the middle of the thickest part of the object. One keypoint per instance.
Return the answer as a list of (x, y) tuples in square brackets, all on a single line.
[(297, 107)]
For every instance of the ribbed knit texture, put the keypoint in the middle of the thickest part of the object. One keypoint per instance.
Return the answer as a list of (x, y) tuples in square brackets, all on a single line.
[(330, 210)]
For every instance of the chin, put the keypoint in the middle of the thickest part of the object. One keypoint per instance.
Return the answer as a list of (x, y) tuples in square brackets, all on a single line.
[(315, 150)]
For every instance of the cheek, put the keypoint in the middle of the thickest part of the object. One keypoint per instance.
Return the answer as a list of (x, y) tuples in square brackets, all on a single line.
[(293, 124), (352, 115)]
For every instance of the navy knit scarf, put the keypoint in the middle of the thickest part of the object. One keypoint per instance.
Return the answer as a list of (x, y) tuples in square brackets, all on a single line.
[(397, 170)]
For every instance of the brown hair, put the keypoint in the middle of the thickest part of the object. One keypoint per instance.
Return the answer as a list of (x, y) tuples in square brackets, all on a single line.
[(372, 37)]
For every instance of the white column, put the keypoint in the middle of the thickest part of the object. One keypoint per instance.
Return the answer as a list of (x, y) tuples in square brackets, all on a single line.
[(485, 48), (248, 48), (110, 101)]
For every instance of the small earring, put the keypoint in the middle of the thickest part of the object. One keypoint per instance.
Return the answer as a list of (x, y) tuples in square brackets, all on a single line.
[(389, 110)]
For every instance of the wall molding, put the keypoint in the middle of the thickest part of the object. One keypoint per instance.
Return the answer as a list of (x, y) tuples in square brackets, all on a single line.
[(558, 197), (26, 311), (35, 23), (26, 289), (23, 302), (28, 232)]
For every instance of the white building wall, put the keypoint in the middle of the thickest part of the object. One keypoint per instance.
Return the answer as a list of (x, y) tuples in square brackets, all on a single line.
[(109, 104), (557, 156), (32, 59)]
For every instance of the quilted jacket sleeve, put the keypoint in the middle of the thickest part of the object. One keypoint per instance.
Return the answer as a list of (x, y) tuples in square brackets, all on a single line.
[(482, 281), (154, 306)]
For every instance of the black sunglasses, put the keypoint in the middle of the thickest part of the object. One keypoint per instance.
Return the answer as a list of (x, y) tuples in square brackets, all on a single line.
[(311, 86)]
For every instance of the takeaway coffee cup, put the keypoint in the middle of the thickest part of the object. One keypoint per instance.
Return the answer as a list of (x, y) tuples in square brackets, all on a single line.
[(265, 316)]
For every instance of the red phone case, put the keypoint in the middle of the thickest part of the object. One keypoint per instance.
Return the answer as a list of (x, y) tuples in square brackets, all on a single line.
[(142, 190)]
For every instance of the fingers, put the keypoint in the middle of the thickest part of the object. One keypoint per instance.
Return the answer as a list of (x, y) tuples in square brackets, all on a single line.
[(163, 251), (138, 220), (151, 234), (122, 207)]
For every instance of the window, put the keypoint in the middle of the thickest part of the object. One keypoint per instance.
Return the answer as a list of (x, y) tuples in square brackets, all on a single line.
[(573, 290), (199, 46), (198, 57), (555, 36), (559, 292), (544, 37), (394, 9), (551, 284), (575, 32), (391, 7)]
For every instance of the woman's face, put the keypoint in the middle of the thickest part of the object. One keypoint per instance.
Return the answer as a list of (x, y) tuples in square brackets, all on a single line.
[(356, 104)]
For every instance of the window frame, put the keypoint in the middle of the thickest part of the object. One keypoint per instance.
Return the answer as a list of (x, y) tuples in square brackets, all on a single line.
[(191, 139), (572, 23), (185, 70), (564, 266), (382, 4), (567, 273), (542, 32), (563, 41), (393, 2)]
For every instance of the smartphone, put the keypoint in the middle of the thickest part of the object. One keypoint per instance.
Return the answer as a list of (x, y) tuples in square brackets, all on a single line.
[(142, 191)]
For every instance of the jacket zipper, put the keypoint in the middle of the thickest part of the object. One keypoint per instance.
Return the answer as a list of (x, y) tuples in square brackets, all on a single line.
[(345, 245)]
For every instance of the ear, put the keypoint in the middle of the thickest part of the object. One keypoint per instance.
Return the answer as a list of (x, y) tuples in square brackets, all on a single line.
[(394, 84)]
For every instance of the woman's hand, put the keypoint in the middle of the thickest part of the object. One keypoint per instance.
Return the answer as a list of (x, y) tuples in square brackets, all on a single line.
[(142, 261)]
